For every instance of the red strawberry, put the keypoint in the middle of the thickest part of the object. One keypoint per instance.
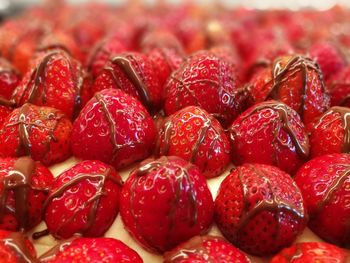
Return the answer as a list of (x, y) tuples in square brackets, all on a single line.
[(203, 249), (259, 209), (92, 250), (311, 252), (16, 248), (329, 57), (339, 88), (100, 54), (207, 81), (160, 39), (114, 128), (164, 61), (5, 110), (331, 133), (9, 79), (41, 132), (191, 33), (196, 136), (23, 189), (134, 74), (57, 81), (269, 133), (83, 199), (296, 81), (324, 183), (165, 202)]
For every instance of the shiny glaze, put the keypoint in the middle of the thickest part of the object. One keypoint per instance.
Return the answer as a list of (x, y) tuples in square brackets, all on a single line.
[(18, 181)]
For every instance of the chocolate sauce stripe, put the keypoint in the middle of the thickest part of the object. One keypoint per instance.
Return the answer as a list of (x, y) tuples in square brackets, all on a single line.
[(17, 242), (8, 103)]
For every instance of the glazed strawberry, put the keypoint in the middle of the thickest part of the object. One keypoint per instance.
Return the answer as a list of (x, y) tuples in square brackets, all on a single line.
[(134, 74), (83, 199), (41, 132), (160, 39), (196, 136), (339, 88), (207, 81), (57, 81), (296, 81), (9, 79), (24, 185), (259, 209), (92, 250), (16, 248), (5, 110), (324, 183), (270, 133), (165, 202), (114, 128), (331, 132), (100, 54), (202, 249), (311, 252), (329, 57)]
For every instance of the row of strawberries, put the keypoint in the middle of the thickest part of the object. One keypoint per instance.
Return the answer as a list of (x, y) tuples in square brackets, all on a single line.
[(111, 92)]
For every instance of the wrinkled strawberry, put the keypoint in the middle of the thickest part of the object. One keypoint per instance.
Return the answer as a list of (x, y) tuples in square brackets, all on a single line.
[(311, 252), (329, 57), (259, 209), (203, 249), (92, 250), (16, 248), (134, 74), (324, 182), (196, 136), (41, 132), (57, 81), (160, 39), (101, 53), (9, 79), (296, 81), (24, 186), (269, 133), (114, 128), (83, 199), (207, 81), (165, 202), (339, 88), (331, 133)]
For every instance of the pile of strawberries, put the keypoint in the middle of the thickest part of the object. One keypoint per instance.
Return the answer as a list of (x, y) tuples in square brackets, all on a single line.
[(180, 92)]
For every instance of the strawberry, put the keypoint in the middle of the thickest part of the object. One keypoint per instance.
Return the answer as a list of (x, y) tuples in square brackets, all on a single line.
[(57, 80), (160, 39), (9, 79), (41, 132), (16, 248), (165, 202), (100, 54), (114, 128), (324, 183), (203, 249), (196, 136), (329, 57), (296, 81), (259, 209), (5, 110), (24, 186), (269, 133), (207, 81), (311, 252), (91, 250), (339, 88), (133, 73), (83, 199), (331, 133)]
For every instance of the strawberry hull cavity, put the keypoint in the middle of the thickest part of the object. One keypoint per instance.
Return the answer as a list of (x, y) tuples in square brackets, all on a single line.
[(165, 202), (114, 128)]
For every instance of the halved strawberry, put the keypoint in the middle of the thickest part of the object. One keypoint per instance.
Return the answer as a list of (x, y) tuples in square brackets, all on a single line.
[(165, 202), (24, 185), (259, 209)]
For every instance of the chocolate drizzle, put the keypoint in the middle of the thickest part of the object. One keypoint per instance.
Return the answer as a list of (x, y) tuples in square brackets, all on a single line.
[(49, 255), (92, 201), (8, 103), (17, 242), (18, 181)]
